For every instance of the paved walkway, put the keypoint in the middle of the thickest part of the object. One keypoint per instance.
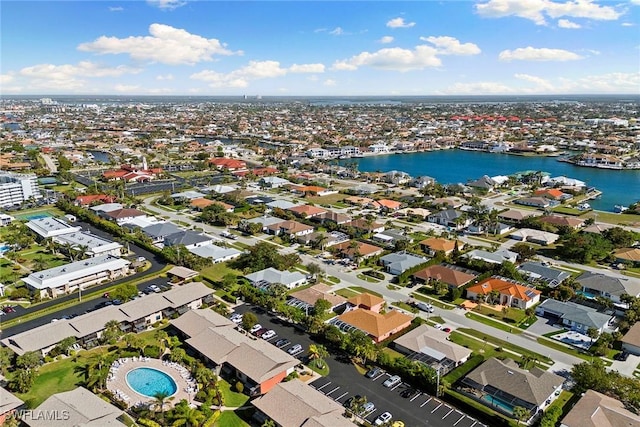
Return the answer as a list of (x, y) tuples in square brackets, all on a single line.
[(118, 385)]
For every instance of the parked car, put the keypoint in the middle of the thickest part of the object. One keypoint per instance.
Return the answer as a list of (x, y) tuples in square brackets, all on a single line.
[(409, 393), (8, 309), (116, 302), (295, 349), (236, 318), (392, 381), (260, 332), (447, 330), (425, 307), (255, 328), (398, 423), (368, 407), (283, 342), (374, 372), (152, 288), (269, 334), (622, 356), (383, 418), (349, 401)]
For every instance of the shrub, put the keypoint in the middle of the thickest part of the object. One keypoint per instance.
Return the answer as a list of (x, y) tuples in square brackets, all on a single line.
[(152, 351), (239, 387), (148, 423)]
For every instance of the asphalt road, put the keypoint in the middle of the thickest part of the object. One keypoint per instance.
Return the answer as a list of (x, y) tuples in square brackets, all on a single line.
[(345, 381), (157, 264)]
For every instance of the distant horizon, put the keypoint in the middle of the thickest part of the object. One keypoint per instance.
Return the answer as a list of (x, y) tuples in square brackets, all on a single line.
[(320, 48)]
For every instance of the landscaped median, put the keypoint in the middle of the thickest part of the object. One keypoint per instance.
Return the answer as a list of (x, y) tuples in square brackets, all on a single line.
[(88, 296)]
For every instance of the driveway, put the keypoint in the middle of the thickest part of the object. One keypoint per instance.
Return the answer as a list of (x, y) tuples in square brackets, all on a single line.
[(543, 326), (345, 381), (627, 367)]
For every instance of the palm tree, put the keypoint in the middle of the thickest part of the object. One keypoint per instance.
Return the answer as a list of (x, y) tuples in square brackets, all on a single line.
[(160, 400), (185, 415), (520, 413), (317, 352), (161, 336)]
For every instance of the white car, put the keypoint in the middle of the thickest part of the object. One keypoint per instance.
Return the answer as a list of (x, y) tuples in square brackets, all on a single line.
[(269, 334), (295, 350), (255, 328), (392, 381), (236, 318), (383, 418)]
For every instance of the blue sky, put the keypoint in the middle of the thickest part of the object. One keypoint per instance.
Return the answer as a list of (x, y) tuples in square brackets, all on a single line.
[(182, 47)]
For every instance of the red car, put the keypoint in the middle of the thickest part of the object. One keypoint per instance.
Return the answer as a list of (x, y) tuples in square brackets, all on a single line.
[(260, 332), (8, 309), (447, 330)]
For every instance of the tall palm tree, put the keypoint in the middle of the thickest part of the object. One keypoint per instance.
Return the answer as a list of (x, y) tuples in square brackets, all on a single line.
[(160, 399), (161, 336), (185, 415), (317, 351)]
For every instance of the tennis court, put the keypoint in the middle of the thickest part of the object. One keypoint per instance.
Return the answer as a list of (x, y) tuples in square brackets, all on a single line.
[(37, 214)]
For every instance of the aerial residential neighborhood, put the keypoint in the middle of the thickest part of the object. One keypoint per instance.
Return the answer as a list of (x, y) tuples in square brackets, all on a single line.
[(213, 275)]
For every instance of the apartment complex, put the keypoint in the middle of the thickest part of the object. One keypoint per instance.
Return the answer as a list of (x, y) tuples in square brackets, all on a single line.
[(16, 188)]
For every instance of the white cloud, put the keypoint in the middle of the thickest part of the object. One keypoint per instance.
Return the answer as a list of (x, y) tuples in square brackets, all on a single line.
[(126, 88), (164, 77), (5, 78), (628, 24), (565, 23), (166, 44), (82, 69), (399, 23), (313, 78), (337, 31), (451, 46), (538, 54), (478, 88), (386, 40), (542, 84), (116, 9), (255, 70), (329, 82), (167, 4), (307, 68), (397, 59), (538, 10)]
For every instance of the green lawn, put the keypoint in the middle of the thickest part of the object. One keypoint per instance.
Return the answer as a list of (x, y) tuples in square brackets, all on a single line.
[(405, 306), (561, 347), (230, 419), (331, 199), (216, 272), (319, 366), (492, 341), (513, 315), (494, 324), (232, 398), (347, 293), (367, 279), (614, 218)]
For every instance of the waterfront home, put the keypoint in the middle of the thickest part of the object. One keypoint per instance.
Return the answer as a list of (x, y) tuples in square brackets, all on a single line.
[(497, 257), (67, 278), (515, 216), (510, 294), (295, 404), (365, 188), (631, 340), (534, 236), (628, 256), (360, 251), (573, 316), (318, 153), (539, 271), (502, 385), (450, 218), (563, 181), (483, 183), (422, 182), (399, 262), (452, 276), (259, 365), (552, 194), (562, 221), (397, 177), (432, 347), (612, 288), (270, 276), (78, 407), (438, 244), (379, 148), (536, 202), (597, 410)]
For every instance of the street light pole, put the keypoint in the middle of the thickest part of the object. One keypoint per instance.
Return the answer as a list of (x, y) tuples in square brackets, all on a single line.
[(438, 383)]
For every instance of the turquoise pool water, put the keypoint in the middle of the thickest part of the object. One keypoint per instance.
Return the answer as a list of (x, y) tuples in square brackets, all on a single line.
[(149, 382), (585, 294), (498, 403)]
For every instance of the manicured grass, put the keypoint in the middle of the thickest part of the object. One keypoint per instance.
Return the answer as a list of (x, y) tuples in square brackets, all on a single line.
[(216, 272), (513, 315), (362, 290), (230, 419), (367, 279), (391, 352), (319, 366), (614, 218), (504, 344), (347, 293), (49, 210), (493, 323), (568, 211), (561, 347), (232, 398), (333, 279), (331, 199), (405, 306), (433, 301), (53, 378)]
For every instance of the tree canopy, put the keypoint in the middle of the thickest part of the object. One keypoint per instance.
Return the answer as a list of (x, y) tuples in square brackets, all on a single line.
[(264, 255)]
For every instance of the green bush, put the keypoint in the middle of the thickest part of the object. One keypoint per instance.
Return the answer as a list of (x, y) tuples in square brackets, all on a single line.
[(148, 423), (239, 387), (212, 419), (152, 351)]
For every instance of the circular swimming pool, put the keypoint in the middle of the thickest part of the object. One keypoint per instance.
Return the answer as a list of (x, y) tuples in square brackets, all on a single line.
[(149, 382)]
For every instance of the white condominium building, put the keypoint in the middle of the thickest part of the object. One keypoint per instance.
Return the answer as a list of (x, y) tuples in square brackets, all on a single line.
[(16, 188)]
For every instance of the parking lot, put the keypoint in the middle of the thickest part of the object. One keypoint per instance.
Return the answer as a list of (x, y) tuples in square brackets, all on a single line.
[(344, 381)]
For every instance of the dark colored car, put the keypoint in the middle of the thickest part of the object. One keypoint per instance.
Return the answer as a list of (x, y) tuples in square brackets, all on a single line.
[(349, 401), (116, 302), (374, 372), (8, 309), (283, 342), (260, 332), (623, 356), (409, 393)]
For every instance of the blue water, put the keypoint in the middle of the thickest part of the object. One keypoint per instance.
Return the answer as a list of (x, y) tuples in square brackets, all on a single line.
[(458, 166), (499, 403), (37, 216), (100, 156), (149, 382), (4, 248)]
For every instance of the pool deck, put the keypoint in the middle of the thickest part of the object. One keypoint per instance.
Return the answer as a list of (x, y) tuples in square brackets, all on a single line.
[(117, 383)]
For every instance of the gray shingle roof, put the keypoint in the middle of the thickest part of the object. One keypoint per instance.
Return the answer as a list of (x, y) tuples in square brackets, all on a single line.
[(577, 313)]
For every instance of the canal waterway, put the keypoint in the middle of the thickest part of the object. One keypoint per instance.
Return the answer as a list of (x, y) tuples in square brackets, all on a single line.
[(619, 187)]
